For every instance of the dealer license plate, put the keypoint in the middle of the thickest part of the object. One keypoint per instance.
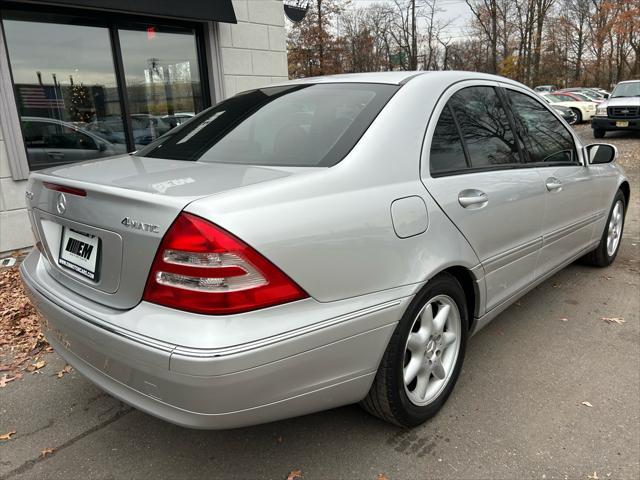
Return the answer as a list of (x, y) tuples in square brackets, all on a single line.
[(79, 252)]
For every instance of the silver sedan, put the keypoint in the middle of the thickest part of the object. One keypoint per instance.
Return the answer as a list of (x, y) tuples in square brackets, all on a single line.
[(314, 244)]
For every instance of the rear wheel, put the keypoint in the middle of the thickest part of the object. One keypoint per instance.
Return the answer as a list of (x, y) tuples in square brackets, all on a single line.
[(598, 133), (607, 249), (424, 357), (578, 115)]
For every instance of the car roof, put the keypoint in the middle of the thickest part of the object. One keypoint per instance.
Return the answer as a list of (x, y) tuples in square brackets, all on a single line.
[(629, 81), (394, 78)]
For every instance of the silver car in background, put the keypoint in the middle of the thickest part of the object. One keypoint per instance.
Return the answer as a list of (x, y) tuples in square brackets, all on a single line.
[(314, 244)]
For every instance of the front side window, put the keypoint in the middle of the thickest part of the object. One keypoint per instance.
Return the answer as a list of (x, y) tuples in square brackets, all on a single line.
[(311, 125), (545, 138), (485, 127)]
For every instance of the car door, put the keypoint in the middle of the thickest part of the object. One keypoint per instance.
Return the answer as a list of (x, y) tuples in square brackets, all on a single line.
[(572, 205), (474, 172)]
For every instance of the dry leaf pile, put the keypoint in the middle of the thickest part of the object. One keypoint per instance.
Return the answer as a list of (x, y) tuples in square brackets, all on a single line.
[(21, 340)]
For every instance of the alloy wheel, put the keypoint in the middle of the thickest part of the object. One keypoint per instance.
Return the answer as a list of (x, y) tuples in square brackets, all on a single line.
[(615, 228), (431, 350)]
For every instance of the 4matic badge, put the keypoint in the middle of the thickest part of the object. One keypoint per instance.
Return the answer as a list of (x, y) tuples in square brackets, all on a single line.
[(138, 225)]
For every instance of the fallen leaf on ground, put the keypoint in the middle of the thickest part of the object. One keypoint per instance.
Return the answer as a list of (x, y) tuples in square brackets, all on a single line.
[(294, 474), (4, 379), (616, 320), (7, 436), (564, 319), (39, 364), (66, 369), (587, 404), (593, 477), (47, 451), (279, 439), (21, 339), (382, 476)]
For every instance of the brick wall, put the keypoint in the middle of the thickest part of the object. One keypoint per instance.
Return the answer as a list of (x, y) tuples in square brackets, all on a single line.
[(15, 232), (254, 51)]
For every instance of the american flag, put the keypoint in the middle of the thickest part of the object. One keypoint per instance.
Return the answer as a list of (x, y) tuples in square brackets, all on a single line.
[(40, 97)]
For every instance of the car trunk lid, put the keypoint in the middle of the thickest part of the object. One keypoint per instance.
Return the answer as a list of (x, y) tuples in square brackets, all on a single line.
[(128, 204)]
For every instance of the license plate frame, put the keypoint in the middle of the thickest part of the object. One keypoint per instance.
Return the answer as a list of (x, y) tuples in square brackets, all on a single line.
[(622, 123), (80, 253)]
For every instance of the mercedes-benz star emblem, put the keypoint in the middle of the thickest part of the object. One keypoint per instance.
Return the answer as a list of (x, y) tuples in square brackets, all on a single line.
[(61, 204)]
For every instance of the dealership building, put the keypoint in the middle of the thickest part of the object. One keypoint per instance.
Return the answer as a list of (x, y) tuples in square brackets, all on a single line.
[(83, 79)]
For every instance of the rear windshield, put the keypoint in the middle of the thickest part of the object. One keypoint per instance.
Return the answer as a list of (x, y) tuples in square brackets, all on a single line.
[(310, 125)]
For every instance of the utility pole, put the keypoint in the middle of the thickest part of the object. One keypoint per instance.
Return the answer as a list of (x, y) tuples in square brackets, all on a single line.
[(414, 40)]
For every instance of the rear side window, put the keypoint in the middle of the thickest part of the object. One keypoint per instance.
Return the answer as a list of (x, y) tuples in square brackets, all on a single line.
[(310, 125), (485, 127), (447, 152), (545, 138)]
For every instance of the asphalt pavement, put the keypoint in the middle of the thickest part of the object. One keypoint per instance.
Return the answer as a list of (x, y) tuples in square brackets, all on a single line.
[(517, 411)]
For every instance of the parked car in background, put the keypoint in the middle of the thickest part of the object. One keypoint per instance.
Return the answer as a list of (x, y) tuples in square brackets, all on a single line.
[(544, 88), (53, 142), (567, 114), (583, 94), (267, 259), (605, 94), (584, 110), (620, 112)]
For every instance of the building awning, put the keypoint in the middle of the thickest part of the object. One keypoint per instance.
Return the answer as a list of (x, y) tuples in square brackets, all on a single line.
[(214, 10)]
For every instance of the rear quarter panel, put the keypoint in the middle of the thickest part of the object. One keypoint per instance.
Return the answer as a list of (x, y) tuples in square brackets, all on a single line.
[(331, 230)]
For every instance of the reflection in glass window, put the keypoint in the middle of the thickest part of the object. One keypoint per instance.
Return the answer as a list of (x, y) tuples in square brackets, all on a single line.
[(545, 138), (485, 127), (66, 89), (163, 80), (302, 125), (447, 153)]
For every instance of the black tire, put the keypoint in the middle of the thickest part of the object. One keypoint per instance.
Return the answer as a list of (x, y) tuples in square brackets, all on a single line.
[(600, 256), (387, 398), (578, 115), (599, 133)]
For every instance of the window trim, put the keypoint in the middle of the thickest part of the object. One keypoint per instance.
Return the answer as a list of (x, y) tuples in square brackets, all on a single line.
[(10, 124), (443, 103)]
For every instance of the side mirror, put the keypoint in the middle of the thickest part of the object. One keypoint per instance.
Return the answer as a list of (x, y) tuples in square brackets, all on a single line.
[(102, 146), (601, 153)]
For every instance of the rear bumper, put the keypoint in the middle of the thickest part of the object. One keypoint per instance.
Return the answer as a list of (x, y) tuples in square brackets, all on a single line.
[(217, 389), (604, 123)]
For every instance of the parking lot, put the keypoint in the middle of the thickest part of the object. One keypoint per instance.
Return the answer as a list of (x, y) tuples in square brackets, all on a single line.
[(550, 389)]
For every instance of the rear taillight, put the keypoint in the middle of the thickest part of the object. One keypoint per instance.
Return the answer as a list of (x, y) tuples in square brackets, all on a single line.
[(202, 268)]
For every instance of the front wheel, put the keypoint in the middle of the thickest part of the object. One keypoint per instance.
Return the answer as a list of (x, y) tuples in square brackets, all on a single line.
[(598, 133), (578, 115), (607, 249), (424, 357)]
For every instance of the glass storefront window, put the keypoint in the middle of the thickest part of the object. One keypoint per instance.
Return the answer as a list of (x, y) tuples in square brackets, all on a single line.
[(74, 76), (163, 80), (65, 87)]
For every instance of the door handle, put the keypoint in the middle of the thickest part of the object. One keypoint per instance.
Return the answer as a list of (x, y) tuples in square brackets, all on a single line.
[(553, 184), (472, 198)]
